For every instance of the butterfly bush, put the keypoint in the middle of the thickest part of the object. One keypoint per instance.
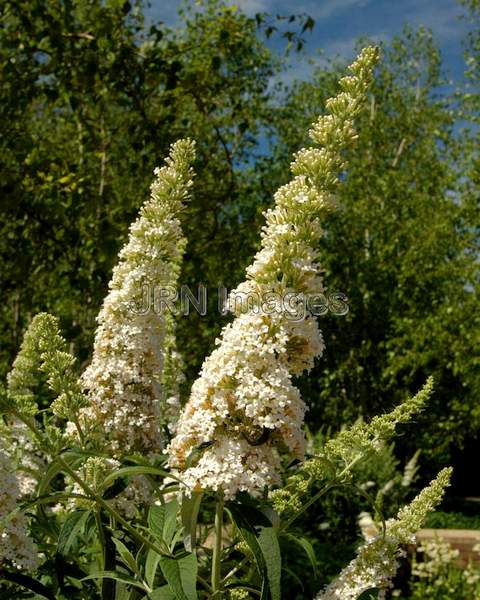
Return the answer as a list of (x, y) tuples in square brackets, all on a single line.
[(440, 573), (23, 454), (128, 403), (244, 408), (244, 411), (41, 367)]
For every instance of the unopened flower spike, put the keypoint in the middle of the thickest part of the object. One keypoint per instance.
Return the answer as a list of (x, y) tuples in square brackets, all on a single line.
[(42, 337), (42, 372), (376, 562), (244, 408), (357, 442)]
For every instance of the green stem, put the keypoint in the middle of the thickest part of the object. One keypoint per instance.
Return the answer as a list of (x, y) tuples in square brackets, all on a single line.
[(217, 548), (81, 436), (307, 505), (101, 537)]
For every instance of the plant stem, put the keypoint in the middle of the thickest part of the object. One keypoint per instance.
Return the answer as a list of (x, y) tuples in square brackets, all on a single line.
[(76, 422), (217, 548), (323, 491), (101, 537)]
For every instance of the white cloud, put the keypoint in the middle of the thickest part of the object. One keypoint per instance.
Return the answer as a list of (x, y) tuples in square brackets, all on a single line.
[(255, 6), (441, 17), (346, 47)]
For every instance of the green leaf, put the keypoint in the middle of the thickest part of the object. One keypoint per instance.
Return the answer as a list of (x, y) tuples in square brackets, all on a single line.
[(307, 547), (188, 574), (190, 506), (126, 555), (181, 575), (295, 577), (268, 542), (72, 528), (161, 593), (122, 577), (151, 565), (249, 536), (132, 472), (308, 25), (53, 470), (115, 489), (162, 520), (123, 592)]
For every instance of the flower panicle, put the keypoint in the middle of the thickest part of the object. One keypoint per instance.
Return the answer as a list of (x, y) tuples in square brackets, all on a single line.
[(41, 337), (294, 222), (125, 382), (362, 438), (352, 444), (244, 408)]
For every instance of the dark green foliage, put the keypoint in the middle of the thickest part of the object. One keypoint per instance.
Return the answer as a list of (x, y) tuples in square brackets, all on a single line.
[(452, 520), (90, 101)]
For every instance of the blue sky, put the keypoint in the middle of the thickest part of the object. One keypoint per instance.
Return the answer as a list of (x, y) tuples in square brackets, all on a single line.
[(338, 23)]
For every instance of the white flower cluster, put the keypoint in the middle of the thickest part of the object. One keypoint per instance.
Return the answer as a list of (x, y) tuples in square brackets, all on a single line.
[(127, 401), (24, 456), (16, 547), (376, 562), (243, 396), (441, 574), (244, 407), (438, 554)]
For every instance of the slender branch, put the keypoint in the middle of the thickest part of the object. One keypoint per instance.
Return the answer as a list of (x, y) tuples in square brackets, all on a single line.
[(323, 491), (101, 536), (307, 505), (205, 583), (399, 152), (79, 429), (235, 569)]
